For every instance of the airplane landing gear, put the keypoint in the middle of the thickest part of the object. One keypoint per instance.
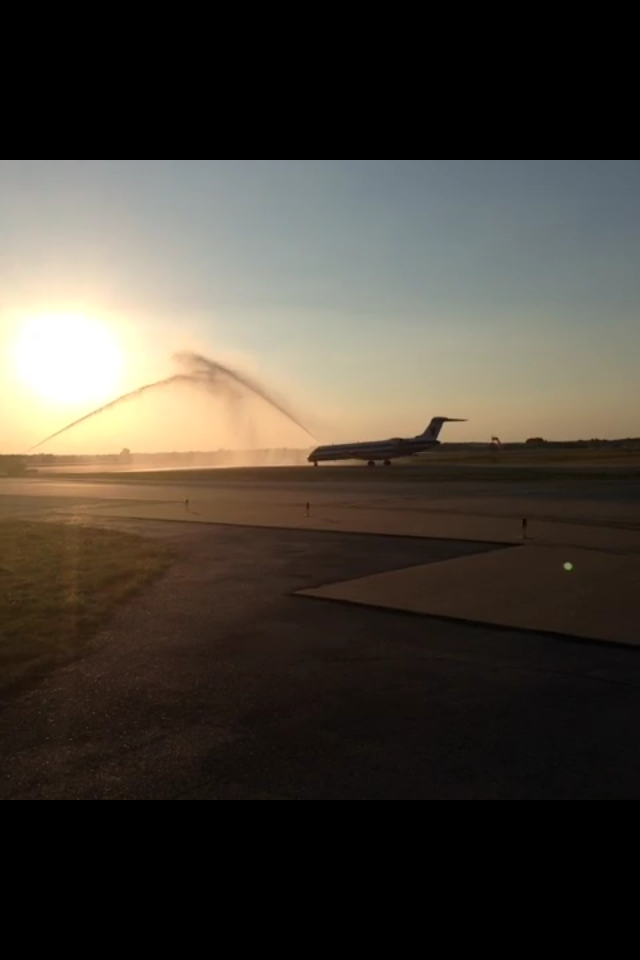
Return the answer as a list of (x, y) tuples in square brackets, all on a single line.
[(371, 463), (387, 463)]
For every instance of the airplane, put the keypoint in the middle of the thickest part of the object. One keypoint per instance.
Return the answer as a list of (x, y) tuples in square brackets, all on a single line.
[(383, 450)]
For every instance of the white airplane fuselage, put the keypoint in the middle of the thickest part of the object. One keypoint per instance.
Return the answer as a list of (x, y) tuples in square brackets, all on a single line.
[(383, 451)]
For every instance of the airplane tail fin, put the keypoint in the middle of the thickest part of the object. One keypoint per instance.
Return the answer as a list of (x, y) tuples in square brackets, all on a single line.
[(433, 430)]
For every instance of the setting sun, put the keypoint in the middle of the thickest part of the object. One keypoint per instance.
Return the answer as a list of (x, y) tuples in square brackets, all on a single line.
[(68, 359)]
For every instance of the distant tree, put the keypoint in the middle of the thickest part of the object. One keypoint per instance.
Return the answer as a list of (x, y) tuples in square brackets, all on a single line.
[(12, 466), (535, 441)]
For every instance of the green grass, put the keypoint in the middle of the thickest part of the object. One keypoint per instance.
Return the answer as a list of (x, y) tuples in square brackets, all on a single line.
[(59, 583), (481, 464)]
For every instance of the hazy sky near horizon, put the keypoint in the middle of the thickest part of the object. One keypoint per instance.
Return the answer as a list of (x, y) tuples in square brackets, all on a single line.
[(371, 294)]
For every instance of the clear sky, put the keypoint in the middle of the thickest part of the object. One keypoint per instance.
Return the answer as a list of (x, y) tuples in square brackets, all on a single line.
[(371, 294)]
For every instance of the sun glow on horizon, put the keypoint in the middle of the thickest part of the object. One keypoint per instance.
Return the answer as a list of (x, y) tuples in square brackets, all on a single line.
[(68, 358)]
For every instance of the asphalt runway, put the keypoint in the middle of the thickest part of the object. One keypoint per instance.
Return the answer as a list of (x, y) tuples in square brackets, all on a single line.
[(221, 682), (402, 489)]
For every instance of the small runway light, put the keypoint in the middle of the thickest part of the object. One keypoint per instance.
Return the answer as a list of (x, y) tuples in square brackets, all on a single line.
[(568, 567)]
